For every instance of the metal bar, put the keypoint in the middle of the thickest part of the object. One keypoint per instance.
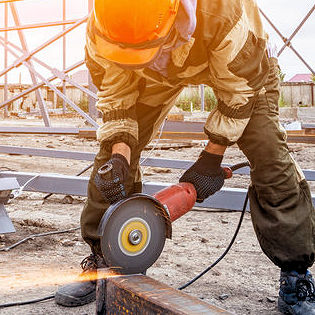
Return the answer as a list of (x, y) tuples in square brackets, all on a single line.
[(40, 130), (47, 43), (39, 25), (226, 198), (285, 39), (5, 92), (33, 88), (8, 1), (287, 42), (51, 183), (59, 74), (301, 58), (139, 294), (78, 174), (60, 94), (202, 96), (6, 225), (73, 155), (28, 63), (92, 102), (89, 156), (64, 54), (272, 25)]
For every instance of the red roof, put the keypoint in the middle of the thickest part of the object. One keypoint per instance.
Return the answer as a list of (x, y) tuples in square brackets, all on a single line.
[(301, 78)]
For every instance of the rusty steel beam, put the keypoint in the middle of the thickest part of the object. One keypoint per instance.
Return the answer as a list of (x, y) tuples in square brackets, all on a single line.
[(139, 294)]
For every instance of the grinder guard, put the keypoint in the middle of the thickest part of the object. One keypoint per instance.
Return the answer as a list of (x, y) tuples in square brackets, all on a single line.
[(132, 233)]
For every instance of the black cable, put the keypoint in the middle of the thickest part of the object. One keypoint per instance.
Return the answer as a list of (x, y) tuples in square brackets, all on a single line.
[(6, 249), (49, 297), (4, 168), (233, 168), (225, 252)]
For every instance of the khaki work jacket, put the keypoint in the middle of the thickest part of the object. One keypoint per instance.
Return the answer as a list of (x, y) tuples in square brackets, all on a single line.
[(227, 52)]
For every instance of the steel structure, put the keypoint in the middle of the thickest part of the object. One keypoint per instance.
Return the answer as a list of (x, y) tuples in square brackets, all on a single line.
[(27, 58)]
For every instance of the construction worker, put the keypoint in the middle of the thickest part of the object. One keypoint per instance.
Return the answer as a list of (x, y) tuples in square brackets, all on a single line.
[(141, 54)]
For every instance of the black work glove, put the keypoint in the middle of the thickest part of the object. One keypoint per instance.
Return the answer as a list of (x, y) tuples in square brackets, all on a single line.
[(111, 178), (206, 174)]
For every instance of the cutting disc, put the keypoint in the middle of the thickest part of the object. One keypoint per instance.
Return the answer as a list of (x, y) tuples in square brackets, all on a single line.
[(132, 235)]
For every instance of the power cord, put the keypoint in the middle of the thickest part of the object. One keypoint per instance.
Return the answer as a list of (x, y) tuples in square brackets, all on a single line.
[(49, 297), (224, 253), (233, 168), (30, 237)]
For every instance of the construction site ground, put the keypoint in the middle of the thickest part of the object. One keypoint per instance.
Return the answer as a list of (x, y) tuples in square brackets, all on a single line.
[(245, 282)]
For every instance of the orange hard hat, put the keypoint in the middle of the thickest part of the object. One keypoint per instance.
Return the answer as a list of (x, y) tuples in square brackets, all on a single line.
[(131, 32)]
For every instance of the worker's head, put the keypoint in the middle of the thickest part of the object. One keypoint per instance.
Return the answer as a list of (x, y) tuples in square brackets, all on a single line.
[(132, 32)]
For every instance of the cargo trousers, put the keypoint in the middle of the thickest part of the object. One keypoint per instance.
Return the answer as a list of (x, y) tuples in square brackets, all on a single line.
[(281, 207)]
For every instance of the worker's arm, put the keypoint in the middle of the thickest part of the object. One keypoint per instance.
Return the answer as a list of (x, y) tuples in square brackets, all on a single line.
[(118, 91), (238, 68)]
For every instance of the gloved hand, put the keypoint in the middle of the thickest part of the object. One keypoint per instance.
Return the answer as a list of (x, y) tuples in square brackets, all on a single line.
[(111, 178), (206, 174)]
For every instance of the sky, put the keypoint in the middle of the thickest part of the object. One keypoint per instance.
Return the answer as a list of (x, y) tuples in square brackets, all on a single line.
[(285, 14)]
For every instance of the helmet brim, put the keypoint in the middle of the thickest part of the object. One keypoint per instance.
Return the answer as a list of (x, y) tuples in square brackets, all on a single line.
[(125, 56)]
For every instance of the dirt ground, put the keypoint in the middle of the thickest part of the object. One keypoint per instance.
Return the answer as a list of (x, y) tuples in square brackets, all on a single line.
[(245, 282)]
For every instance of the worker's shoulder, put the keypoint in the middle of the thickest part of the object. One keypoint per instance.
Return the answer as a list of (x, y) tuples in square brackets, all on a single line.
[(216, 18)]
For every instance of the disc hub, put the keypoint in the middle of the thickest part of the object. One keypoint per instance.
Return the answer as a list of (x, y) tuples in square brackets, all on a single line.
[(135, 237)]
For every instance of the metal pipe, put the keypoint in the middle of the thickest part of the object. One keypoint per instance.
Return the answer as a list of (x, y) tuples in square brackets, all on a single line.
[(92, 103), (202, 96), (39, 25), (8, 1), (285, 39), (287, 42), (33, 88), (59, 74), (28, 63), (301, 58), (64, 54), (5, 91), (60, 94), (38, 49)]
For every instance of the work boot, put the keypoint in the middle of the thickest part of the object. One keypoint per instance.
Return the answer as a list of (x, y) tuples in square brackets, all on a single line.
[(82, 291), (297, 293)]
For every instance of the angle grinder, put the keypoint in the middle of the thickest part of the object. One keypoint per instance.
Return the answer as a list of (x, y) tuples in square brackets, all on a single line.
[(133, 231)]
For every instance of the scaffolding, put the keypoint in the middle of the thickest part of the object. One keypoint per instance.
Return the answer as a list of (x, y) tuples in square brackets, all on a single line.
[(24, 56)]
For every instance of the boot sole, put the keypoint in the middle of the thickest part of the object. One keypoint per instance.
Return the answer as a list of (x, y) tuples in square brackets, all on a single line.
[(71, 301)]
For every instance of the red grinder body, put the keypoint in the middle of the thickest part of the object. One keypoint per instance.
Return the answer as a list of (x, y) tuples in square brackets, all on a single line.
[(178, 199)]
